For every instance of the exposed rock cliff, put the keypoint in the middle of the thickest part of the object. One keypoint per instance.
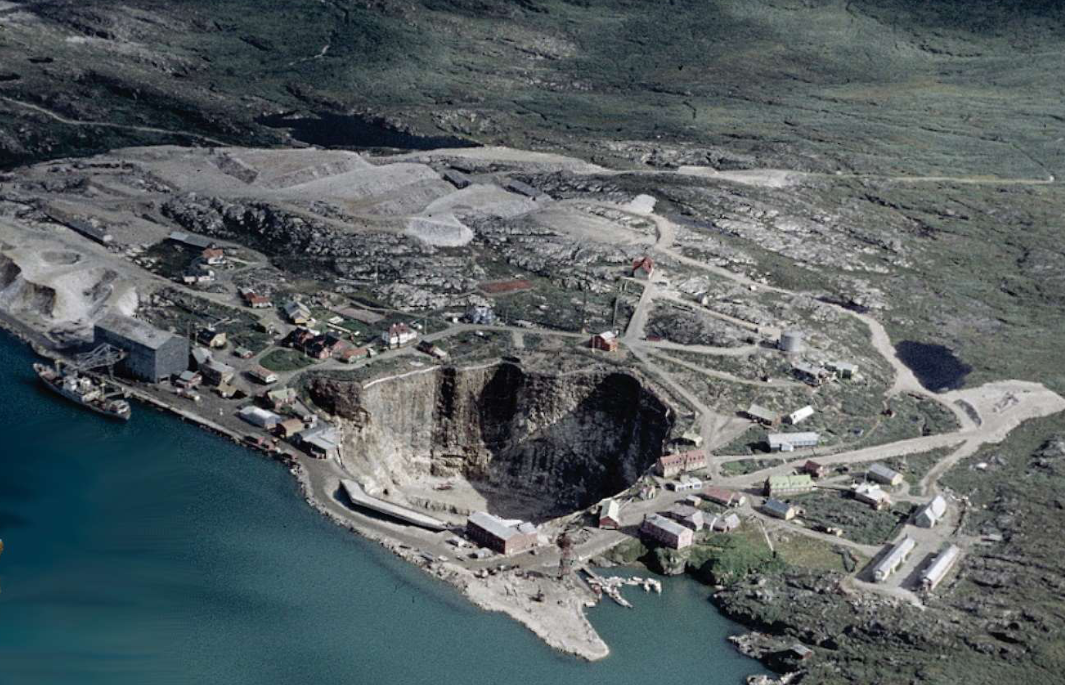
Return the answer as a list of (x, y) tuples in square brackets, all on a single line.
[(565, 440)]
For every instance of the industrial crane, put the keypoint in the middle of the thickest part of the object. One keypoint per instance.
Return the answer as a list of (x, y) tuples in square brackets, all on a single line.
[(103, 355)]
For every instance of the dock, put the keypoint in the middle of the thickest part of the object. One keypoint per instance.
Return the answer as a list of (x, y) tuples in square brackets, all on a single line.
[(359, 497)]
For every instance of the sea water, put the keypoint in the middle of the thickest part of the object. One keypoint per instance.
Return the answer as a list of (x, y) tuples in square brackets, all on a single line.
[(154, 552)]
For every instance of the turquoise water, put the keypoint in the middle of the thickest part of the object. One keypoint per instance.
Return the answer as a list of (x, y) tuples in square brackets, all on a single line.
[(153, 552)]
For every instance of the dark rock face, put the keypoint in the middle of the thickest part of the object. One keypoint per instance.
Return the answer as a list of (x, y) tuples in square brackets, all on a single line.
[(277, 232), (565, 440)]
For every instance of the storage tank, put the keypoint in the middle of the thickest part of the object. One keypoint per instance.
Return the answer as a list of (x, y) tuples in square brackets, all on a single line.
[(791, 341)]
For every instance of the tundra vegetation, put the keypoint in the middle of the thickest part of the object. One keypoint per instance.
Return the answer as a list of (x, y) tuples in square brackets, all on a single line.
[(900, 158)]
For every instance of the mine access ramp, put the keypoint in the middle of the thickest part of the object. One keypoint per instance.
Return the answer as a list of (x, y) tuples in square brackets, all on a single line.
[(359, 498)]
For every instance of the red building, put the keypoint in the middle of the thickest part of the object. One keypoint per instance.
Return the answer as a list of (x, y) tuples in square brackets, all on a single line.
[(606, 341), (670, 465), (324, 346), (500, 535), (813, 469), (255, 300), (726, 498), (666, 532), (643, 268), (610, 515)]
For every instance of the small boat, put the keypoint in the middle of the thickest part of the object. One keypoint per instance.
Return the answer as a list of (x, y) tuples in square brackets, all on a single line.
[(81, 389)]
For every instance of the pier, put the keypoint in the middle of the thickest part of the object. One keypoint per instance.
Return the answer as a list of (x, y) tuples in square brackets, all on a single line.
[(359, 498)]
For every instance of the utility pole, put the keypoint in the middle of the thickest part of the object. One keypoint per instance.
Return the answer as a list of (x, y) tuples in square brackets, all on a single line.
[(767, 540), (584, 313)]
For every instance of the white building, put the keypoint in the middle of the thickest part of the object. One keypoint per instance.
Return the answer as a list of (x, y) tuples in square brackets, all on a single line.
[(940, 567), (398, 335), (871, 494), (257, 416), (800, 415), (931, 513), (787, 442), (894, 559), (686, 484)]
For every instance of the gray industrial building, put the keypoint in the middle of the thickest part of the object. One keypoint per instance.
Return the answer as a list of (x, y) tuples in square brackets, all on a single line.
[(151, 354)]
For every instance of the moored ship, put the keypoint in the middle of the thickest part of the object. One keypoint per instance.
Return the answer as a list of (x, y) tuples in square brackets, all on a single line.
[(81, 389)]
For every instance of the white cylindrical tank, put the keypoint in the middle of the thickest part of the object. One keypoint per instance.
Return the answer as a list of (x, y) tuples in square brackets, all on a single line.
[(791, 341)]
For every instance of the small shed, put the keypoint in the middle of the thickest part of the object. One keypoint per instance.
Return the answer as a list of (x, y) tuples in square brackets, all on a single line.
[(726, 523), (262, 375), (289, 428), (761, 415), (610, 514), (779, 509), (643, 268), (800, 415), (607, 341), (209, 337)]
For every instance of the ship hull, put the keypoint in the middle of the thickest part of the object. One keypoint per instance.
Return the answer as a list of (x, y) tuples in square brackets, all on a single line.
[(57, 389)]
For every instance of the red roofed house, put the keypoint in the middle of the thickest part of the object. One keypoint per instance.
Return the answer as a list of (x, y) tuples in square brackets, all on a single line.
[(643, 268), (670, 465), (214, 256), (606, 341), (726, 498), (324, 346), (256, 301), (813, 469)]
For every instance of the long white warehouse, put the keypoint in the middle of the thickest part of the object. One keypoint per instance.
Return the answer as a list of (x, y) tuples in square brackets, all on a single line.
[(940, 567), (893, 560)]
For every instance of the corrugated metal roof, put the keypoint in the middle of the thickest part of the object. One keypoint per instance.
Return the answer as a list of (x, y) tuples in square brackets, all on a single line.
[(777, 439), (941, 565), (895, 556), (493, 525), (610, 509), (883, 471), (795, 480), (662, 523), (190, 239), (776, 506), (760, 412)]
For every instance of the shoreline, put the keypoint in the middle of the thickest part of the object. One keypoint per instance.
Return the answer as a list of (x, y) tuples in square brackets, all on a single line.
[(565, 628), (583, 643)]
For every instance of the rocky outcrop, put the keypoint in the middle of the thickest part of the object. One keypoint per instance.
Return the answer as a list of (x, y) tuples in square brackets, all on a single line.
[(565, 440)]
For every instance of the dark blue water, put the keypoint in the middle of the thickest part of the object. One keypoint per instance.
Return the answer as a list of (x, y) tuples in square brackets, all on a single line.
[(153, 552), (353, 131), (936, 367)]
